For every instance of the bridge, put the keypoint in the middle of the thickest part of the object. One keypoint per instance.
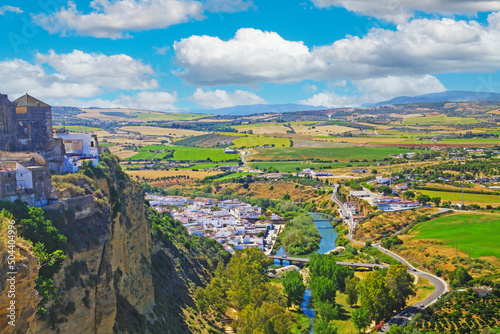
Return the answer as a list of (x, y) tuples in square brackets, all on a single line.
[(302, 261)]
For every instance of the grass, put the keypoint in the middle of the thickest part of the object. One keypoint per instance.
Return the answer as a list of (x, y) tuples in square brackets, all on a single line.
[(456, 197), (340, 153), (291, 167), (183, 153), (254, 141), (169, 116), (474, 234), (439, 120), (80, 128)]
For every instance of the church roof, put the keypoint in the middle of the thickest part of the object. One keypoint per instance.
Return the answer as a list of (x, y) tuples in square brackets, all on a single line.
[(29, 101)]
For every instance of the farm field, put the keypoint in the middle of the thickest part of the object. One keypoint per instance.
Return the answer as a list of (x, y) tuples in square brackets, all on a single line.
[(439, 120), (169, 116), (79, 128), (475, 234), (321, 130), (456, 197), (170, 177), (164, 132), (254, 141), (262, 128), (341, 154), (291, 167), (183, 153)]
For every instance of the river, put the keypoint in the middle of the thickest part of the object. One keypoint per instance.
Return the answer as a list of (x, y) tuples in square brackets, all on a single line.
[(328, 236)]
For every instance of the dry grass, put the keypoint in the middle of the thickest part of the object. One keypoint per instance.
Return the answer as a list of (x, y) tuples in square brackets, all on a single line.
[(163, 132), (264, 129), (155, 174), (388, 223), (323, 130)]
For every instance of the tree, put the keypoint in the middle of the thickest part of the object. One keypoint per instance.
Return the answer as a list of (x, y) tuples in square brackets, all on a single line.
[(460, 277), (409, 194), (423, 199), (322, 326), (401, 284), (326, 311), (436, 200), (374, 294), (323, 289), (294, 288), (384, 190), (286, 197), (351, 290), (361, 318)]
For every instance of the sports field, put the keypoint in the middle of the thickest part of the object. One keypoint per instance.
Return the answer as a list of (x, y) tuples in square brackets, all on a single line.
[(456, 197), (473, 233)]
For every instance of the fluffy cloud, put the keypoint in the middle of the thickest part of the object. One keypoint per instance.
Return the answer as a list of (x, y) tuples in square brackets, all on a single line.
[(6, 9), (113, 19), (415, 48), (400, 11), (74, 75), (160, 101), (378, 89), (252, 56), (221, 99)]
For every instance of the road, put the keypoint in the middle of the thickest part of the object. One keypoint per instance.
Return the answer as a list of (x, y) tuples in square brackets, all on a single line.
[(244, 155), (440, 285)]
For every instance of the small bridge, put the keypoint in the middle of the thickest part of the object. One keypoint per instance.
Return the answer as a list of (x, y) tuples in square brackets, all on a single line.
[(302, 261)]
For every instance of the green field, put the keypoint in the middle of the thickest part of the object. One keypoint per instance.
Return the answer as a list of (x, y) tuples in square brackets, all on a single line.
[(291, 167), (254, 141), (456, 197), (439, 120), (169, 116), (341, 153), (475, 234), (183, 153), (80, 128)]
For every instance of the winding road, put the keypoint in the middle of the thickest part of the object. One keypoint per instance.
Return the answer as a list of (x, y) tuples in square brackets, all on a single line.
[(440, 285)]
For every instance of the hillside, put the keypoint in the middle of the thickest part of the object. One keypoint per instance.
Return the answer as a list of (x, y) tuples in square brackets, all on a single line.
[(127, 270)]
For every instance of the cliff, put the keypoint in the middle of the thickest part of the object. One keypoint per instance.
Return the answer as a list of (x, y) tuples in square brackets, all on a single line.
[(108, 269), (127, 269), (26, 297)]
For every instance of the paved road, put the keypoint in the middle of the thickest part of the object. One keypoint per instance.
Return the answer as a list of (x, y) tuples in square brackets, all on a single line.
[(440, 285), (244, 155)]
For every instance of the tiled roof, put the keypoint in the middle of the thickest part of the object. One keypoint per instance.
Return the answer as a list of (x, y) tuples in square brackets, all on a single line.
[(29, 101)]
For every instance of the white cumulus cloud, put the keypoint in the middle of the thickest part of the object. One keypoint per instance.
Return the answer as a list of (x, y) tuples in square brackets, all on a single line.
[(74, 75), (378, 89), (114, 19), (221, 98), (10, 9), (400, 11), (416, 48)]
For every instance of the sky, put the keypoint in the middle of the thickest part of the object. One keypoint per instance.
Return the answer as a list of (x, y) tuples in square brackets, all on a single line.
[(180, 55)]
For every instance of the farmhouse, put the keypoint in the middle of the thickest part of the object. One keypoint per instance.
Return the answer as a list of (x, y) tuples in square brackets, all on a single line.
[(230, 150)]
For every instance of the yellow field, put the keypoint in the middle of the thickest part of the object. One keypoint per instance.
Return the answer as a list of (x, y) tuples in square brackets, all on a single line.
[(497, 112), (176, 176), (323, 130), (164, 132)]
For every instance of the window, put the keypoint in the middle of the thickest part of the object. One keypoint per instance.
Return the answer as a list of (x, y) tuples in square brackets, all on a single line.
[(7, 187), (8, 175), (21, 174)]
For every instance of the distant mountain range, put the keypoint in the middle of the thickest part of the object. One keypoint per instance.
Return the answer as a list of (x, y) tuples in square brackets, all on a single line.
[(449, 96), (258, 109)]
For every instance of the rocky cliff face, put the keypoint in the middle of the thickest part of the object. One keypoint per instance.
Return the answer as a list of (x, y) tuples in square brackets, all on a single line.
[(26, 297), (107, 275)]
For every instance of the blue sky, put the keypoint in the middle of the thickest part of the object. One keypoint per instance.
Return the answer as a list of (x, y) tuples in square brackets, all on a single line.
[(201, 54)]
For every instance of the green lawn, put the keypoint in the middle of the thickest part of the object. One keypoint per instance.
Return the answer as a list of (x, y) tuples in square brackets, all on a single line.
[(341, 153), (254, 141), (475, 234), (439, 120), (456, 197)]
